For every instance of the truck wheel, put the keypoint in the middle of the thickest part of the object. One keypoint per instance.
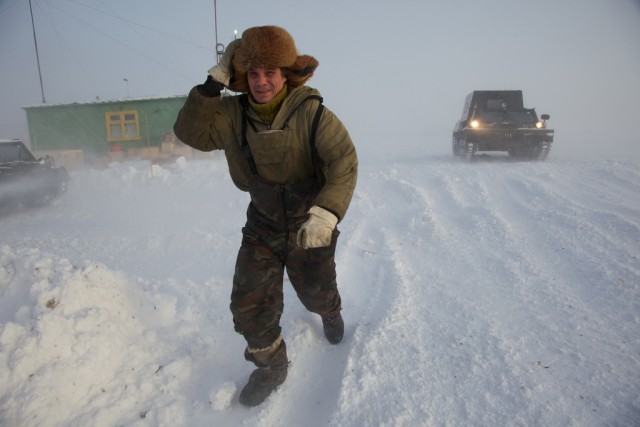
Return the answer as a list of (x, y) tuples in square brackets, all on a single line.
[(457, 148), (469, 150), (62, 186), (542, 151)]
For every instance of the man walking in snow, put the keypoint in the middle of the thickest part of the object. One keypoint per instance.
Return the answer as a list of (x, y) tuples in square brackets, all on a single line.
[(299, 165)]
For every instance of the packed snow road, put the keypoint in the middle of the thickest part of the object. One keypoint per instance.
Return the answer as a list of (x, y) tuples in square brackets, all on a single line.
[(483, 293)]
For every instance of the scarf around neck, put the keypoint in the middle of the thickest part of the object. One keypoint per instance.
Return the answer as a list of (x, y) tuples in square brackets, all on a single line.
[(267, 112)]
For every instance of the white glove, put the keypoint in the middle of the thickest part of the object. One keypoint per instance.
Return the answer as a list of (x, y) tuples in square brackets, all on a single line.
[(316, 231), (222, 71)]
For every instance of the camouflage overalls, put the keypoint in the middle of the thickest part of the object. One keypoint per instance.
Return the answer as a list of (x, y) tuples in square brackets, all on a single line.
[(274, 216)]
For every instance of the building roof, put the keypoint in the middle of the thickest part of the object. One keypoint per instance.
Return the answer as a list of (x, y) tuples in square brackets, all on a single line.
[(110, 101)]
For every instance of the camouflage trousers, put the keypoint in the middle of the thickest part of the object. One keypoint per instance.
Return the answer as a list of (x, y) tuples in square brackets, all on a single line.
[(257, 297)]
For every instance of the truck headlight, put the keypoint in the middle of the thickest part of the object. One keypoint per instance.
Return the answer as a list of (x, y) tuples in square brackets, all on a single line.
[(474, 123), (539, 125)]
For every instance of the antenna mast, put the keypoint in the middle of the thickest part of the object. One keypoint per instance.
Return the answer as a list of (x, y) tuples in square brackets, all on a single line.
[(35, 42), (219, 46)]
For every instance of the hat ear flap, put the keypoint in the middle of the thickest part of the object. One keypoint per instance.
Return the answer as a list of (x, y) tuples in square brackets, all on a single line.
[(238, 81), (301, 71)]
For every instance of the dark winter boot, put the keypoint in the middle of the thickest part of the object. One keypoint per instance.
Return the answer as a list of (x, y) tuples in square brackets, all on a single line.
[(272, 371), (333, 326)]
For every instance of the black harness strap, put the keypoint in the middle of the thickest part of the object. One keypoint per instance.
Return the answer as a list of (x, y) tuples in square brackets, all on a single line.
[(246, 150), (316, 97), (244, 102), (314, 150)]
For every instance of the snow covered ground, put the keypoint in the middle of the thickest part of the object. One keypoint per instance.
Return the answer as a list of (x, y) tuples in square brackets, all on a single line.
[(492, 293)]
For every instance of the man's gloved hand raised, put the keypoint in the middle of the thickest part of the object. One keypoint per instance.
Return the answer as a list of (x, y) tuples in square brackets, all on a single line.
[(316, 231), (223, 71)]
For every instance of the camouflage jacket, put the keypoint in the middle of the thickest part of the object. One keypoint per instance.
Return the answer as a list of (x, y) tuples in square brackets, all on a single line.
[(281, 151)]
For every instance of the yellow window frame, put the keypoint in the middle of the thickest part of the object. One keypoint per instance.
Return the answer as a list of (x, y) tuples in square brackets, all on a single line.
[(122, 125)]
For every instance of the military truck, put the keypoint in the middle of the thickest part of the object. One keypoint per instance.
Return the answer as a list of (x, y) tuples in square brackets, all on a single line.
[(496, 120)]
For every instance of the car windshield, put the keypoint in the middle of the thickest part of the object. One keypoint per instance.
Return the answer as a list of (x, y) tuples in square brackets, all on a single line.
[(506, 117), (11, 152)]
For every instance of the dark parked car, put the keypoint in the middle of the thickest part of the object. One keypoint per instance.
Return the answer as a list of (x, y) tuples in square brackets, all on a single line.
[(496, 120), (25, 180)]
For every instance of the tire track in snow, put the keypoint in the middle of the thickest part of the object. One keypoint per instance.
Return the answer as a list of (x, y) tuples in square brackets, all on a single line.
[(529, 284), (599, 212), (466, 355), (471, 304), (378, 361), (579, 271), (560, 232), (366, 260)]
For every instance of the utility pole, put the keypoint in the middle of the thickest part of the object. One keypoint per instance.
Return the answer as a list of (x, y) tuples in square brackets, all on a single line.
[(215, 29), (219, 46), (35, 42)]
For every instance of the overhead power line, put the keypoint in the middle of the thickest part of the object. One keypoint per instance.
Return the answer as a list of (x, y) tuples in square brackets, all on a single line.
[(128, 46), (173, 36)]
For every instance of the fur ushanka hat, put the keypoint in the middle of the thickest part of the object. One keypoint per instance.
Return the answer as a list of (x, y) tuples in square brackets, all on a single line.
[(270, 47)]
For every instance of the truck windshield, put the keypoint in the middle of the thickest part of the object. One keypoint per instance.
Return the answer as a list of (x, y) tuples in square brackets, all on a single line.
[(506, 117), (11, 152)]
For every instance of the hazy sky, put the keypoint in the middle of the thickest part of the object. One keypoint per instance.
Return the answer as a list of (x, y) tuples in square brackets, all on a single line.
[(390, 70)]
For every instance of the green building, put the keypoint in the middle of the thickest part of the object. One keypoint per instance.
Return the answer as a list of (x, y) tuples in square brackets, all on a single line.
[(104, 128)]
